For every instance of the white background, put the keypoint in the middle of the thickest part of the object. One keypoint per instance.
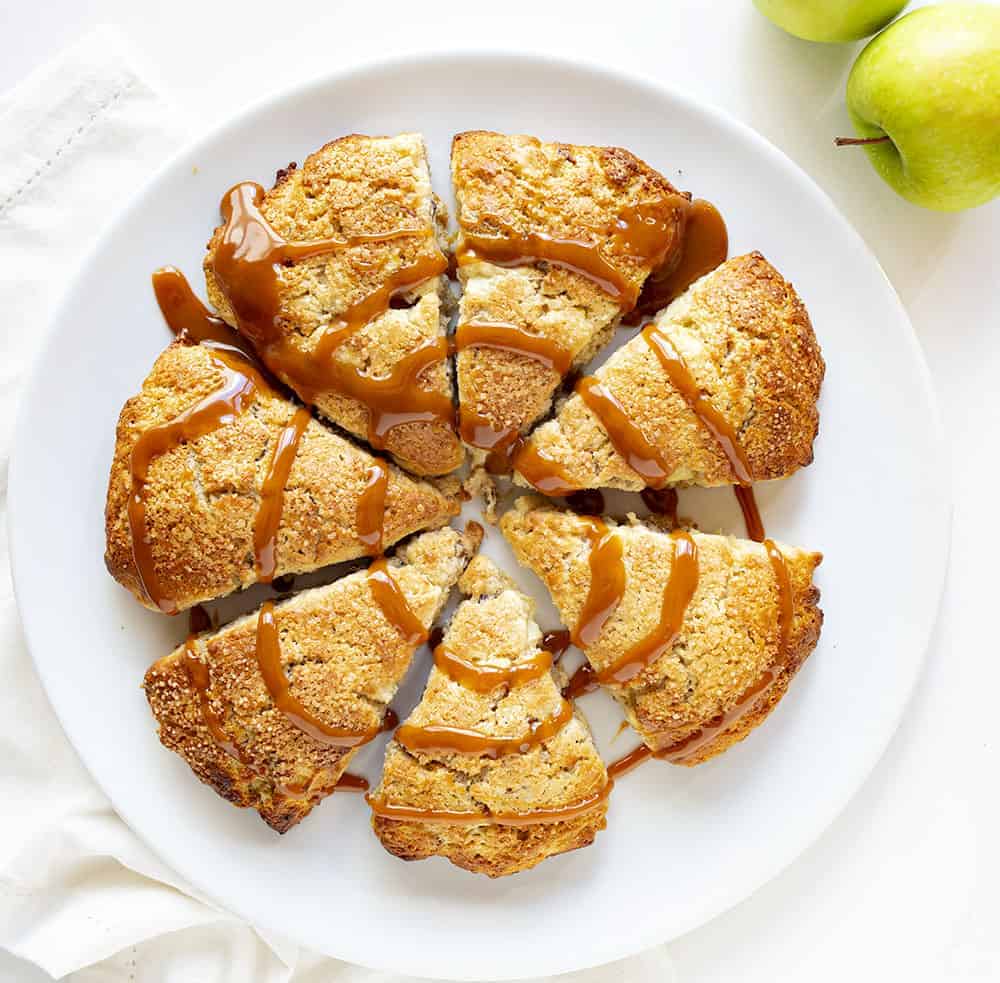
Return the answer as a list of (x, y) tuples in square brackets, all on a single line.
[(904, 885)]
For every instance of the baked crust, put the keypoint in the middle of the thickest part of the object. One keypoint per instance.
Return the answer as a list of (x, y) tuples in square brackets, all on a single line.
[(361, 185), (747, 340), (730, 637), (344, 661), (565, 191), (494, 628), (202, 497)]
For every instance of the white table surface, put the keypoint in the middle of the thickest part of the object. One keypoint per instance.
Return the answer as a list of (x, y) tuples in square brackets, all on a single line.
[(904, 885)]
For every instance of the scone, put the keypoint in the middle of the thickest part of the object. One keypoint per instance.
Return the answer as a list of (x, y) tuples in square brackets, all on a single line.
[(697, 636), (556, 241), (269, 710), (493, 770), (337, 278), (721, 388), (218, 482)]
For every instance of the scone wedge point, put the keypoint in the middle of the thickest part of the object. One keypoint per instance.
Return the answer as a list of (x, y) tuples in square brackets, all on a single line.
[(697, 636), (721, 388), (493, 769), (337, 277), (208, 521), (555, 243), (269, 710)]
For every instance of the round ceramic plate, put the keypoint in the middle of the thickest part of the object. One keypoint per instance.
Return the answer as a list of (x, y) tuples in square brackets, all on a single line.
[(681, 844)]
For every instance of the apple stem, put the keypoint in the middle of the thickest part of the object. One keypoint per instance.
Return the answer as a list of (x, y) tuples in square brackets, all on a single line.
[(857, 141)]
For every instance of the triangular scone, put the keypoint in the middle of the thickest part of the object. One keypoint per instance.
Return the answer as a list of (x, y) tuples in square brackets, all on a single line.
[(215, 514), (708, 631), (337, 277), (270, 709), (720, 389), (556, 241), (498, 805)]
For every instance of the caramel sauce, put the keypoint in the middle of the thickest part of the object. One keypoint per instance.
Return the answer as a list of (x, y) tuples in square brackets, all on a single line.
[(390, 721), (556, 642), (352, 783), (240, 385), (187, 317), (272, 496), (458, 740), (435, 638), (681, 585), (200, 679), (589, 502), (542, 472), (684, 749), (627, 762), (371, 507), (661, 501), (246, 265), (582, 682), (751, 514), (705, 246), (714, 422), (607, 583), (555, 814), (393, 604), (627, 438), (482, 678), (645, 233), (268, 648), (517, 341)]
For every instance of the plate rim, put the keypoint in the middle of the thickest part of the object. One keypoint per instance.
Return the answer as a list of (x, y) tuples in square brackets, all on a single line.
[(472, 55)]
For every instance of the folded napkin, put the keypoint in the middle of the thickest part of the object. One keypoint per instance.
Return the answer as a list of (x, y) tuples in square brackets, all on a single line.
[(80, 894)]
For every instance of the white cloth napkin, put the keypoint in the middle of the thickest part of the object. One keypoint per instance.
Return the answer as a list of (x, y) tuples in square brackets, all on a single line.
[(80, 894)]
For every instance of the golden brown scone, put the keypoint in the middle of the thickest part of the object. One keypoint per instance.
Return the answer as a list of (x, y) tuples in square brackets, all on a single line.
[(729, 641), (343, 659), (361, 186), (202, 497), (748, 342), (517, 185), (494, 629)]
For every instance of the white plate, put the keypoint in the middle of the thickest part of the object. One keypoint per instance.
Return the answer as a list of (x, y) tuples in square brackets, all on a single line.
[(681, 845)]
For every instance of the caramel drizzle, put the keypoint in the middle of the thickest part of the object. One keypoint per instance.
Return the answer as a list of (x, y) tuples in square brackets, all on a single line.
[(627, 438), (689, 746), (247, 267), (272, 496), (483, 679), (541, 472), (393, 604), (444, 739), (268, 649), (352, 783), (586, 502), (555, 814), (240, 386), (200, 680), (187, 317), (710, 418), (510, 338), (371, 507), (607, 582), (681, 585), (625, 764), (705, 246), (644, 233), (751, 514), (479, 431)]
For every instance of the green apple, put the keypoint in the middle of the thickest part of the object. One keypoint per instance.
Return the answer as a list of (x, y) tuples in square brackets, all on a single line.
[(925, 96), (830, 20)]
